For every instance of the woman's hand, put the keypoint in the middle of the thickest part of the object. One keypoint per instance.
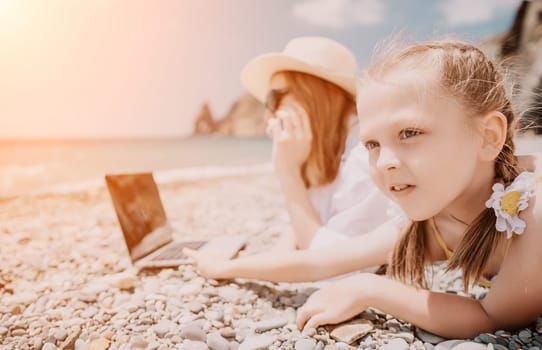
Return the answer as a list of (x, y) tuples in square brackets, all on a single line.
[(209, 265), (336, 303), (292, 138)]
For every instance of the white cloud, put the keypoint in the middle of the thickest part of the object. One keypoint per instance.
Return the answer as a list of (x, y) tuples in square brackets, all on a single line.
[(459, 12), (340, 13)]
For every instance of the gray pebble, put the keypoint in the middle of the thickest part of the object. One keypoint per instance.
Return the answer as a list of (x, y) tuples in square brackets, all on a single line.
[(38, 343), (60, 334), (499, 347), (503, 333), (309, 332), (227, 332), (163, 327), (342, 346), (409, 337), (153, 346), (267, 325), (216, 342), (502, 341), (19, 332), (488, 338), (139, 342), (305, 344), (470, 345), (230, 294), (428, 337), (193, 331), (190, 289), (513, 345), (80, 344), (194, 345), (234, 345), (299, 299), (242, 334), (448, 344), (195, 307), (525, 335), (214, 315), (396, 344), (89, 312), (48, 346), (257, 342)]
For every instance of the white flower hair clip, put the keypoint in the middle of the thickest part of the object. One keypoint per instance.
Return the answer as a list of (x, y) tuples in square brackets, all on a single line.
[(508, 202)]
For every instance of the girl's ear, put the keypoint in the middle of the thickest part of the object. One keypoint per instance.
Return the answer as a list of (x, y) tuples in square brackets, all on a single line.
[(493, 129)]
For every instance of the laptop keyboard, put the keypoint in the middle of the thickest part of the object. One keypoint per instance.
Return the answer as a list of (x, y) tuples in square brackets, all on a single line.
[(175, 250)]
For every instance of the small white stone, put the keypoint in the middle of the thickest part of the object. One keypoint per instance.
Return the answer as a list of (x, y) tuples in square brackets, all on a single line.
[(396, 344), (48, 346)]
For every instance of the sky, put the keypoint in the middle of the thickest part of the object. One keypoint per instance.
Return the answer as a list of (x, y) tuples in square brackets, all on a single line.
[(139, 68)]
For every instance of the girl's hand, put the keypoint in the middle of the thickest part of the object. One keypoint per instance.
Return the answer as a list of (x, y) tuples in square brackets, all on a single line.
[(335, 303), (209, 265), (292, 138)]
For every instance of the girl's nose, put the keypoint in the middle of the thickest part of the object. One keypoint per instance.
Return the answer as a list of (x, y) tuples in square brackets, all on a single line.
[(387, 160)]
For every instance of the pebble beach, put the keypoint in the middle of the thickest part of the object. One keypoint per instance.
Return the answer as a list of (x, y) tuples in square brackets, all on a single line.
[(66, 281)]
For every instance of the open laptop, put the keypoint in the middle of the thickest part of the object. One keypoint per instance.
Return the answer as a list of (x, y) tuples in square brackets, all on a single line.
[(147, 233)]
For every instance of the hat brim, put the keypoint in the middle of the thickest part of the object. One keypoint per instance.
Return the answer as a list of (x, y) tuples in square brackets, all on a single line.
[(256, 75)]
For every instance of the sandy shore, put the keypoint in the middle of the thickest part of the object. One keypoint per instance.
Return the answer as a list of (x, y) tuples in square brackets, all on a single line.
[(66, 281)]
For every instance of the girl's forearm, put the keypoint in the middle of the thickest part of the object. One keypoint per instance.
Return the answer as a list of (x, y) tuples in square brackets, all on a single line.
[(286, 266), (342, 257), (448, 315)]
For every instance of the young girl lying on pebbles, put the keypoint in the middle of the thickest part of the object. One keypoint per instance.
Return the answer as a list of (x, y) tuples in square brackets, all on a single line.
[(439, 129)]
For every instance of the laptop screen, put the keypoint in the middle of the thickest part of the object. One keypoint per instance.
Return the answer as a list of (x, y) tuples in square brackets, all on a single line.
[(140, 212)]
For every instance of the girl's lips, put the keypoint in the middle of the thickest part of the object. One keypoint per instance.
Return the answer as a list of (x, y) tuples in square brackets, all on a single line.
[(401, 189)]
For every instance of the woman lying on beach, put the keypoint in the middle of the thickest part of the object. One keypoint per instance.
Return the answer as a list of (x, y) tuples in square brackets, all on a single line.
[(439, 129), (308, 90), (322, 168)]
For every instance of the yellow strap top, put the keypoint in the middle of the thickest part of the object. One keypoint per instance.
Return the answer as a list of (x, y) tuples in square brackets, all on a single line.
[(448, 252)]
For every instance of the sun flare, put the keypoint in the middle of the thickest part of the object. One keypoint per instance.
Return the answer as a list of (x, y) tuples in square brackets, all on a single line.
[(11, 12)]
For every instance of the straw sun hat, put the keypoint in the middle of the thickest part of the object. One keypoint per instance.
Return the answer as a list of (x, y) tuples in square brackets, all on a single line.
[(318, 56)]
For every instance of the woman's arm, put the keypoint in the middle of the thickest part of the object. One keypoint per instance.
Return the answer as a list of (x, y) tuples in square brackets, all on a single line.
[(304, 219), (292, 137), (371, 249)]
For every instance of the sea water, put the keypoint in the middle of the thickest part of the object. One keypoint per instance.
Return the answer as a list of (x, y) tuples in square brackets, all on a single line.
[(28, 167)]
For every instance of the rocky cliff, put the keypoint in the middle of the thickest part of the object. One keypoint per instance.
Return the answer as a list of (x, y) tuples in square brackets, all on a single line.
[(245, 118), (519, 50), (205, 123)]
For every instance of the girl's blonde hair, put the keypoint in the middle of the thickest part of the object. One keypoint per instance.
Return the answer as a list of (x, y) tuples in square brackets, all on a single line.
[(329, 108), (468, 75)]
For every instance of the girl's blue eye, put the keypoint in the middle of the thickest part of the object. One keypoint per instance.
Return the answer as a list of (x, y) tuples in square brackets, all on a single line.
[(369, 145), (408, 133)]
